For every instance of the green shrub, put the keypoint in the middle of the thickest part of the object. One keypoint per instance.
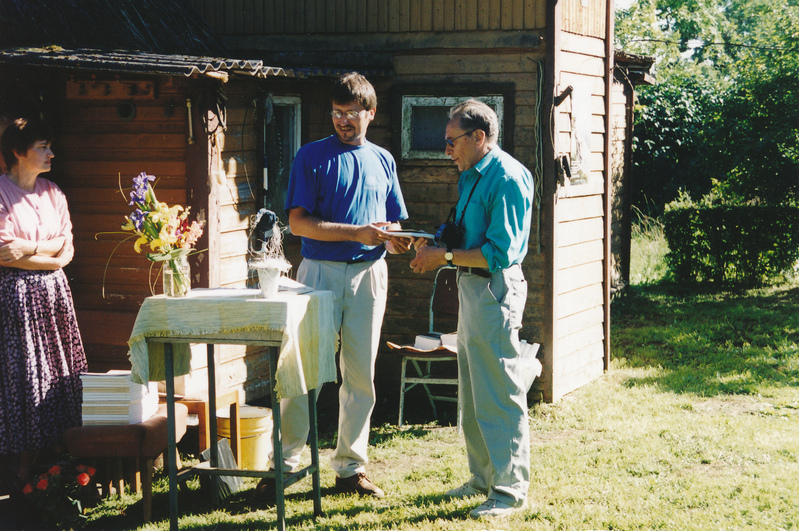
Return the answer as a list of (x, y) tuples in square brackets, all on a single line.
[(731, 244)]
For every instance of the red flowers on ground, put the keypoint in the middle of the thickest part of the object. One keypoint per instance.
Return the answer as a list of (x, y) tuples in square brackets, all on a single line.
[(59, 496)]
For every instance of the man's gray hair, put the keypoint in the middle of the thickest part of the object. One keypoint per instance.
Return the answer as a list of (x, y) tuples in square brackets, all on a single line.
[(473, 115)]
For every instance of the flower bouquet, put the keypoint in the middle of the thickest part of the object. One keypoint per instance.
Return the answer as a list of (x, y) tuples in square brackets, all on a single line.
[(60, 495), (166, 230)]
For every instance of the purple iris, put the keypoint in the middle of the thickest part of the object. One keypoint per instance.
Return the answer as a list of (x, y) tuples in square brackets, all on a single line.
[(137, 217), (139, 192)]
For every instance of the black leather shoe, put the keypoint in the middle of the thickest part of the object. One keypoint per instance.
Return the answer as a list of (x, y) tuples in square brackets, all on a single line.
[(265, 491)]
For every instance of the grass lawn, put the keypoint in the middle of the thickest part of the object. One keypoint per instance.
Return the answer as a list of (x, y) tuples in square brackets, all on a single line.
[(695, 427)]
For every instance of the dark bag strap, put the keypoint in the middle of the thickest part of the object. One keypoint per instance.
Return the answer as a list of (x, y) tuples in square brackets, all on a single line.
[(463, 212)]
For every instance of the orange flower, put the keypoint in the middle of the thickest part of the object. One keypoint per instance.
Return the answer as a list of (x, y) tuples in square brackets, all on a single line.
[(83, 479), (42, 485), (27, 489), (91, 471), (54, 471)]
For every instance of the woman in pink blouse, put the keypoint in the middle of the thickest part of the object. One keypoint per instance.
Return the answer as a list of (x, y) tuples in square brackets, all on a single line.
[(41, 353)]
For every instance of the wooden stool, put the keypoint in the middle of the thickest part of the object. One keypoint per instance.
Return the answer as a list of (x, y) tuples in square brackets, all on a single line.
[(137, 444), (200, 408)]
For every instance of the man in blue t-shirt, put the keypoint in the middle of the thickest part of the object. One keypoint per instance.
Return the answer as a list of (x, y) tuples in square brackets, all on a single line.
[(343, 196), (494, 208)]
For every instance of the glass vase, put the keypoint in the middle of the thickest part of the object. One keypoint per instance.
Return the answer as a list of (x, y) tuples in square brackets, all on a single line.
[(177, 277)]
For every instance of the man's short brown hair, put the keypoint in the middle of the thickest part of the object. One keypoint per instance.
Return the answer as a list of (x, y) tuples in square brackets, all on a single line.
[(354, 87)]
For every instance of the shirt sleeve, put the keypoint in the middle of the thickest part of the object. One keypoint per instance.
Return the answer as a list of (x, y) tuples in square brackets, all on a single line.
[(506, 234), (62, 210), (395, 204), (6, 227)]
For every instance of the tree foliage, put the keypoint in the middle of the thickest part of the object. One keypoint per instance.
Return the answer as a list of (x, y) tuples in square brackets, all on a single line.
[(724, 114)]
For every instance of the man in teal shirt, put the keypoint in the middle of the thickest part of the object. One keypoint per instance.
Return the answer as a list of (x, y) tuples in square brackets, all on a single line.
[(494, 209)]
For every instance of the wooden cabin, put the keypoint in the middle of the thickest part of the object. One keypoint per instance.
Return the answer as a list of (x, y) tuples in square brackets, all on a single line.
[(629, 72), (115, 116), (546, 67), (157, 95), (221, 135)]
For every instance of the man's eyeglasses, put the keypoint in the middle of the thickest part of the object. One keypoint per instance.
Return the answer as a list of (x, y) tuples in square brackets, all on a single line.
[(351, 115), (451, 141)]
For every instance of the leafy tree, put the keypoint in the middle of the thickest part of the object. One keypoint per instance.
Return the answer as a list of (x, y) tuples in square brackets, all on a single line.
[(724, 114), (669, 142), (761, 114)]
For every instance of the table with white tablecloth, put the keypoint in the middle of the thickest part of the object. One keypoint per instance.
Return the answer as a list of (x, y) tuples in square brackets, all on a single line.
[(297, 330)]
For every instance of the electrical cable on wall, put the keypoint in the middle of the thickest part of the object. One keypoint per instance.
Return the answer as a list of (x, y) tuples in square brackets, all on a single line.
[(538, 169), (246, 172)]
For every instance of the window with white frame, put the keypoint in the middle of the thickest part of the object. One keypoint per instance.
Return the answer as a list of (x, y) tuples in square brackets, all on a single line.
[(282, 117), (424, 119)]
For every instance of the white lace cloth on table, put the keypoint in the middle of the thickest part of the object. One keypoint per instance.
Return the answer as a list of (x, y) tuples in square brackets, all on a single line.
[(304, 323)]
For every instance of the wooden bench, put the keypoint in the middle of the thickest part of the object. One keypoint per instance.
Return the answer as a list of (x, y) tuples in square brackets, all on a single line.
[(131, 444)]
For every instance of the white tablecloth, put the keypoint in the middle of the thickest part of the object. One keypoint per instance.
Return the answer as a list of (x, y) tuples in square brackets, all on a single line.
[(301, 323)]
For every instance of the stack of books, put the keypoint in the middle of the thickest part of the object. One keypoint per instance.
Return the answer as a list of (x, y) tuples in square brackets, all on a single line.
[(436, 340), (428, 341), (111, 398)]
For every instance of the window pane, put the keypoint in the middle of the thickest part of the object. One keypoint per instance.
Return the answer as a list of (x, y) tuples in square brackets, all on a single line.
[(427, 126)]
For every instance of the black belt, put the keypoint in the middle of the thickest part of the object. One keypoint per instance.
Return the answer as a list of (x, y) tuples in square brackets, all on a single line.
[(479, 271)]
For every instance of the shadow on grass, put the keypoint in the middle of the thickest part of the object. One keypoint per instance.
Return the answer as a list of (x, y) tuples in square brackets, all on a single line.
[(710, 342), (195, 502)]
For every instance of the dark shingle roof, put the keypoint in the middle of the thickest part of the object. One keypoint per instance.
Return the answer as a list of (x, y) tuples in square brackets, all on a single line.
[(138, 62), (155, 26)]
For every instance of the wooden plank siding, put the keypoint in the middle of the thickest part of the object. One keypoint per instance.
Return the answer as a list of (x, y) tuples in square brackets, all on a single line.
[(236, 190), (585, 17), (240, 187), (620, 198), (579, 252), (430, 188), (97, 152), (286, 17), (446, 44)]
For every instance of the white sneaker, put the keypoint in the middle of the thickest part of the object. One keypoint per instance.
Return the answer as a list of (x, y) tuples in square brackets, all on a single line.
[(464, 491), (494, 509)]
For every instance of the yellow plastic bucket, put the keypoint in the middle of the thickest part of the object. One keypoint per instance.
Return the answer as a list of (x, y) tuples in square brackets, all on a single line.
[(256, 434)]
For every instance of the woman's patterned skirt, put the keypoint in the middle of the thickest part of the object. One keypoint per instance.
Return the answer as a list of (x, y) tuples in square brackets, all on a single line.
[(41, 360)]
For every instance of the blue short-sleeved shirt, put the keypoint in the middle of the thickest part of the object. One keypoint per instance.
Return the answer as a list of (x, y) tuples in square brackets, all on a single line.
[(340, 183), (498, 216)]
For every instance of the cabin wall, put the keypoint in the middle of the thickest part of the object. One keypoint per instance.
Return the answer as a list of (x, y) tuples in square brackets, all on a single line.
[(437, 45), (579, 350), (430, 188), (97, 153), (452, 44), (621, 186), (302, 17), (585, 17), (234, 179)]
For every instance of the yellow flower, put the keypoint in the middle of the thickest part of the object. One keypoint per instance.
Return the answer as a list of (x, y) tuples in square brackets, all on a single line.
[(138, 243)]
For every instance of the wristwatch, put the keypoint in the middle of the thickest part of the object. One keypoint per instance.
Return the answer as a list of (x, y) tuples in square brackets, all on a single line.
[(448, 256)]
